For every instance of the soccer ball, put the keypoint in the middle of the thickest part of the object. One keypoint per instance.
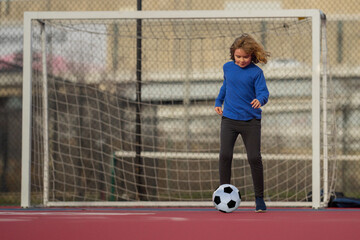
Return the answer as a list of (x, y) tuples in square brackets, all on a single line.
[(226, 198)]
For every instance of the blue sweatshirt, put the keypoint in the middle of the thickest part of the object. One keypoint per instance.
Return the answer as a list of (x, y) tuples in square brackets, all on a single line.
[(240, 87)]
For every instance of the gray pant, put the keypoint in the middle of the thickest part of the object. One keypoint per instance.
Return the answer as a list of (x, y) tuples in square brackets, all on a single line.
[(250, 132)]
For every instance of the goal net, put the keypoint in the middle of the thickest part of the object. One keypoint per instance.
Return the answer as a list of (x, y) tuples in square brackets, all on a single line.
[(119, 108)]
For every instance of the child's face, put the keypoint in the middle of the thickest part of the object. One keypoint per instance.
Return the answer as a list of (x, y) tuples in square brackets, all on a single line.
[(242, 58)]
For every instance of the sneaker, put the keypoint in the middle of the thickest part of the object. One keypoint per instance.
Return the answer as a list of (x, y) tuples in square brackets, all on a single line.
[(260, 205)]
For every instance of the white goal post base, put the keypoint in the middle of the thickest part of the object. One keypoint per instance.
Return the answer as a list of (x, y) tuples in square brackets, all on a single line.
[(170, 204), (77, 95)]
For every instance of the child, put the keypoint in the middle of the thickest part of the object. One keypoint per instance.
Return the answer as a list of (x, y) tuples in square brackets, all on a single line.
[(243, 92)]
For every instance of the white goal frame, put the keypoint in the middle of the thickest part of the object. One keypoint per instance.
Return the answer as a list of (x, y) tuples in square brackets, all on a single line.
[(316, 15)]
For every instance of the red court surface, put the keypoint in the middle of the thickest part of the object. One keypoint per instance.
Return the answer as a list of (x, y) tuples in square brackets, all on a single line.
[(178, 223)]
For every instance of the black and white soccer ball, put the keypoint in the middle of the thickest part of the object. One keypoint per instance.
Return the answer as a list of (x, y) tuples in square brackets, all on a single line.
[(226, 198)]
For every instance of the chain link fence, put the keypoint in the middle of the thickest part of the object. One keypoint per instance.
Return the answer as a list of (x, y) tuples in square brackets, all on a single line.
[(343, 37)]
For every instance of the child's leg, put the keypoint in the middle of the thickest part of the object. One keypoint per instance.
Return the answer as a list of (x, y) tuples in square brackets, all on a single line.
[(228, 137), (251, 135)]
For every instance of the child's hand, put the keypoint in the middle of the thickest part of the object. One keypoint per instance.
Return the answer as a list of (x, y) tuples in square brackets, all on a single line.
[(218, 110), (255, 103)]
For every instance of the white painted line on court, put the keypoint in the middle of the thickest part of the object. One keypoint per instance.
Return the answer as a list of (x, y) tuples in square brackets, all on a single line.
[(75, 213), (175, 219), (15, 220)]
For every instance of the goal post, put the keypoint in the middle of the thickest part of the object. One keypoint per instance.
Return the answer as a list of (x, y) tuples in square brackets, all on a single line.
[(118, 108)]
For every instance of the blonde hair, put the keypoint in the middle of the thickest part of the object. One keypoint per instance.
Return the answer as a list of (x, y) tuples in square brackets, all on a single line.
[(250, 46)]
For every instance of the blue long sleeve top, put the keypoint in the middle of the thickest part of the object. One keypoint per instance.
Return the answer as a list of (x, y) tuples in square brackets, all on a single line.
[(240, 87)]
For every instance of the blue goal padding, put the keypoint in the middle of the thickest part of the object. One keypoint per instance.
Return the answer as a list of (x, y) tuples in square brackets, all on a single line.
[(344, 202)]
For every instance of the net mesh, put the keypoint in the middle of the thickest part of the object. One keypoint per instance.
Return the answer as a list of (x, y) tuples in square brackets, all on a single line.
[(130, 112)]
